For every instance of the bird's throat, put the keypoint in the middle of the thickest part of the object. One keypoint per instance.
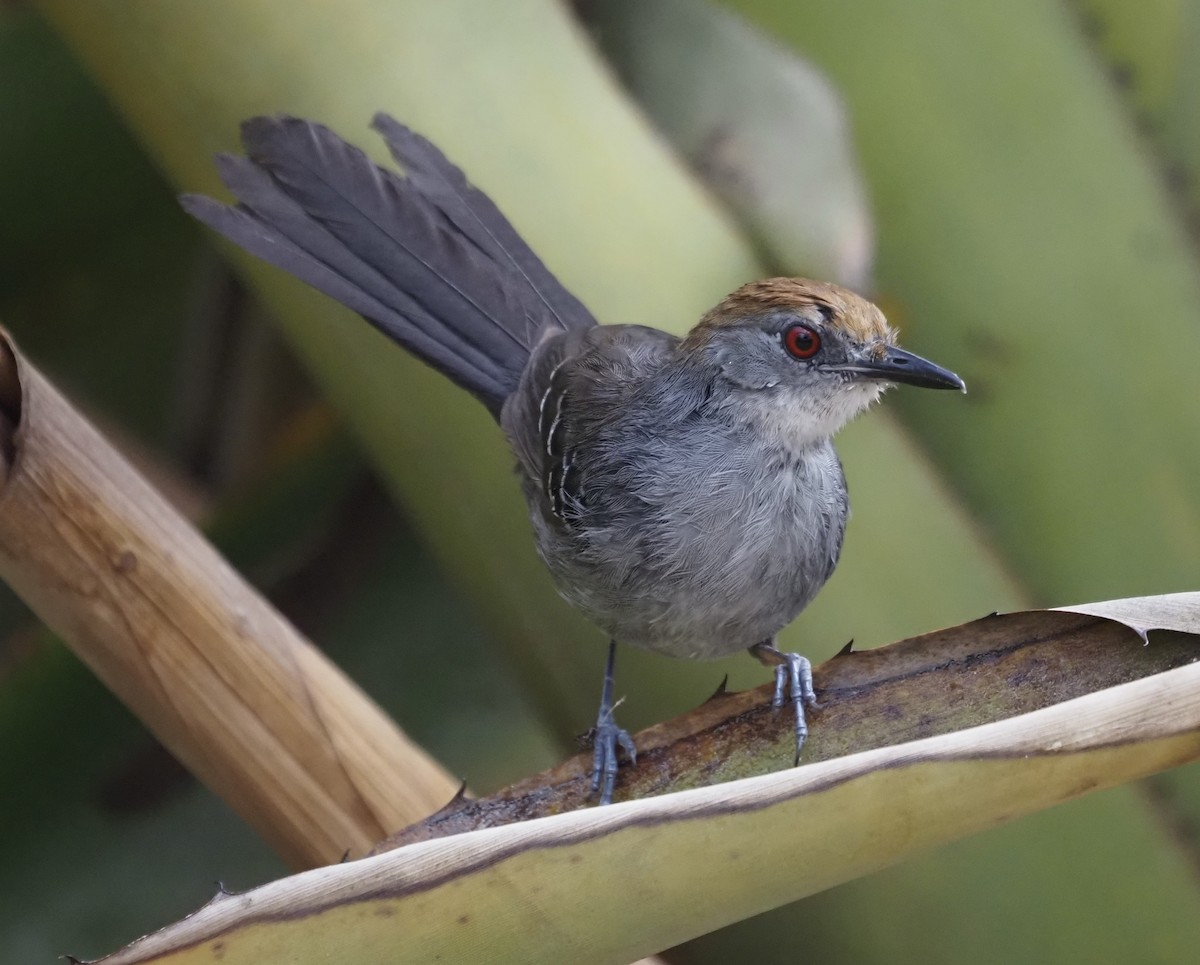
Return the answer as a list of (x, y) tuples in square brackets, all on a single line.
[(799, 419)]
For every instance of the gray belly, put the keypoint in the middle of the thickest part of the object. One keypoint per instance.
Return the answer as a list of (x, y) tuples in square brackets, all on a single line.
[(702, 565)]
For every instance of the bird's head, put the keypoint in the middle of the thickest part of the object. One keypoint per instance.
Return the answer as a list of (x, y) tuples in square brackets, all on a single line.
[(805, 357)]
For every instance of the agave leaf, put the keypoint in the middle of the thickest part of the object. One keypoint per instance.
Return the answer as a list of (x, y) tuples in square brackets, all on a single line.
[(494, 888)]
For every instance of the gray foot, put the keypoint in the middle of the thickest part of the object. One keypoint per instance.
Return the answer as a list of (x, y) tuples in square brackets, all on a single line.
[(794, 682), (610, 739)]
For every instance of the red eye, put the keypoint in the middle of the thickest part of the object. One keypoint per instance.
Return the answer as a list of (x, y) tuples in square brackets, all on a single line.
[(801, 341)]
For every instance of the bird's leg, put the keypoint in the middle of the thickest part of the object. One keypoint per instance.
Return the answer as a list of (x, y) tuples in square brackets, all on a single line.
[(609, 737), (793, 681)]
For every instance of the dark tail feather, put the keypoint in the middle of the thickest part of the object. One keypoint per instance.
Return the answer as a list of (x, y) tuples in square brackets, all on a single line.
[(426, 258), (476, 216)]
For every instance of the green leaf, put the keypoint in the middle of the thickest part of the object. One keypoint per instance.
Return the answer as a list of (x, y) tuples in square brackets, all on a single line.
[(763, 128)]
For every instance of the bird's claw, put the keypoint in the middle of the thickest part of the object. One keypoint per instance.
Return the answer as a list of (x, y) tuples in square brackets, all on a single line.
[(794, 682), (609, 740)]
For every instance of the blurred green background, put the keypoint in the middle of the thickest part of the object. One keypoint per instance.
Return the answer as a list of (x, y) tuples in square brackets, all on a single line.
[(1015, 184)]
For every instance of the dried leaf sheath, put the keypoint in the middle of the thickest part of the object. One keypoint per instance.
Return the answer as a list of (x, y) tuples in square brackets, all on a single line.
[(250, 706)]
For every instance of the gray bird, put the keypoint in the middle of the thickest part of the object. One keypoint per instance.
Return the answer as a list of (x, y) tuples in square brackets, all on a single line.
[(684, 493)]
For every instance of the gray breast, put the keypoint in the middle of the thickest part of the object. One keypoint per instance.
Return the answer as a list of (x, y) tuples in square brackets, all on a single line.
[(688, 536), (728, 556)]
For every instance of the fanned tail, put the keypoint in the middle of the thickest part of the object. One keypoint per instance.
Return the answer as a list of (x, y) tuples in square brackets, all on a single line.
[(426, 258)]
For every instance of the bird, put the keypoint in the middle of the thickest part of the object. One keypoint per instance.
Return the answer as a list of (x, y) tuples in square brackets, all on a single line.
[(684, 493)]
